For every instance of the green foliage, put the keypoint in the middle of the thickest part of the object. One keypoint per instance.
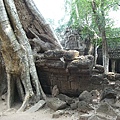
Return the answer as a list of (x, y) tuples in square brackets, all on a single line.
[(83, 15), (113, 37), (81, 12)]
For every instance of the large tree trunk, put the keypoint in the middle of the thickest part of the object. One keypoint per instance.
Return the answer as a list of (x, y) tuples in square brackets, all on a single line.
[(100, 22), (20, 21)]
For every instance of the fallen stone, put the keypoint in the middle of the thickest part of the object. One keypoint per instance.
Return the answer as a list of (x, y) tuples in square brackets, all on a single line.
[(58, 113), (95, 117), (65, 98), (105, 109), (95, 96), (116, 104), (84, 107), (74, 106), (37, 106), (111, 76), (56, 104), (108, 93), (111, 102), (85, 96), (85, 116)]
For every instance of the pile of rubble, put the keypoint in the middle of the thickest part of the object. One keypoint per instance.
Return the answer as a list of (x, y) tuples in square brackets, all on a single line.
[(93, 105)]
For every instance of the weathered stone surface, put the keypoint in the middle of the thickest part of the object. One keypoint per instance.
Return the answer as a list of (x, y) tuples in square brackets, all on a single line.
[(54, 54), (98, 79), (73, 41), (37, 106), (95, 94), (111, 76), (85, 96), (83, 118), (105, 110), (56, 104), (84, 106), (71, 76), (100, 68), (55, 64), (74, 106), (55, 91), (108, 93), (95, 117), (65, 98), (117, 76), (71, 55), (83, 62), (58, 113)]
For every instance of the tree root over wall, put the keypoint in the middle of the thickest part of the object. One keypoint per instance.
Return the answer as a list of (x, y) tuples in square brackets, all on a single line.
[(16, 28)]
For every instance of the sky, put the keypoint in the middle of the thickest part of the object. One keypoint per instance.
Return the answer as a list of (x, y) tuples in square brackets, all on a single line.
[(54, 9), (115, 16)]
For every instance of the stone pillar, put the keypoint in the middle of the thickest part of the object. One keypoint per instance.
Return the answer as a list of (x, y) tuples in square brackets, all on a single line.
[(113, 62)]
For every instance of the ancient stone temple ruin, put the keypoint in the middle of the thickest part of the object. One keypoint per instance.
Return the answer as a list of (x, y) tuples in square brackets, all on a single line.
[(69, 71), (73, 41), (114, 55)]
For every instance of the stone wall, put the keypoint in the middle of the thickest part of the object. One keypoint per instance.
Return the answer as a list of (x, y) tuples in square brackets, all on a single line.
[(114, 54), (69, 71)]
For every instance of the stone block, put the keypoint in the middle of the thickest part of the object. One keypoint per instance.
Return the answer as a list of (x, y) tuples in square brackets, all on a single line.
[(100, 68), (74, 106), (63, 78), (75, 86), (84, 62), (58, 113), (71, 54), (55, 64), (54, 54), (84, 106), (65, 98), (105, 110), (37, 106), (86, 96), (74, 78), (56, 104), (65, 85)]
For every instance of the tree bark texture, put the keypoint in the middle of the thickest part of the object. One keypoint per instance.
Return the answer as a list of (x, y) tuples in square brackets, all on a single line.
[(21, 22), (100, 22)]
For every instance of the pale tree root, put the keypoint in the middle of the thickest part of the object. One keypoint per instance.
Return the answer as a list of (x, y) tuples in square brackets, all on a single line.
[(25, 103)]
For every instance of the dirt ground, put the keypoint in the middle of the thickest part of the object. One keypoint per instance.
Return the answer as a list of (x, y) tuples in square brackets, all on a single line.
[(43, 114)]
